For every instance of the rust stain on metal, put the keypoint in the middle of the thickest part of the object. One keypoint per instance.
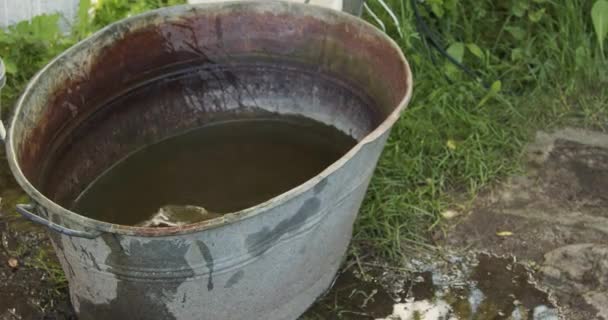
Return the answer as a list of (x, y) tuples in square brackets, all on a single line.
[(135, 56), (87, 110), (130, 53)]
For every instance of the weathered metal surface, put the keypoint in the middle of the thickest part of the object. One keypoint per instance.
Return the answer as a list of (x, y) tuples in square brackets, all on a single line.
[(270, 261), (2, 83), (332, 4), (351, 6)]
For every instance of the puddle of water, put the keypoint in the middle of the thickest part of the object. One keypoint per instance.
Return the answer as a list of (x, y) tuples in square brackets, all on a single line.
[(351, 298), (494, 288)]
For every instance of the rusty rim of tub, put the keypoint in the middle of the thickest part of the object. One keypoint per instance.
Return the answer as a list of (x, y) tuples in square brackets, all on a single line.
[(100, 226)]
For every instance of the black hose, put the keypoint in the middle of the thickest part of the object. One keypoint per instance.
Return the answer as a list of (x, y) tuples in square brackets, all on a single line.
[(427, 34)]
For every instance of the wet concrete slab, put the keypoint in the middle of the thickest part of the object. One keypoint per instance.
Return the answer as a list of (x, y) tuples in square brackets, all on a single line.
[(478, 286), (554, 218)]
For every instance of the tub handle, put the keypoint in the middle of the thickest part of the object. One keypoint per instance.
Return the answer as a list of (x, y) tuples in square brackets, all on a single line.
[(25, 210)]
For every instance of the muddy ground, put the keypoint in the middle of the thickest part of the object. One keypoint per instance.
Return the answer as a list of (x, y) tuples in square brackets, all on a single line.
[(531, 248), (32, 285)]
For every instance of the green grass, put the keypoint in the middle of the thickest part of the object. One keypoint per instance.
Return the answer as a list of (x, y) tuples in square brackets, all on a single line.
[(45, 261), (448, 145), (542, 59)]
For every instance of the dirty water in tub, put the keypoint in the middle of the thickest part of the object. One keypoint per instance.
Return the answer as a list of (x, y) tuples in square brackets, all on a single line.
[(215, 169)]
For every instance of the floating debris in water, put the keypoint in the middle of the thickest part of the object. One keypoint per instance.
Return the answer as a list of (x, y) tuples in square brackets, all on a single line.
[(174, 215)]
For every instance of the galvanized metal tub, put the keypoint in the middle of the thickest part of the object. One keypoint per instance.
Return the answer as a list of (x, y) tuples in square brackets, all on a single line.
[(270, 261)]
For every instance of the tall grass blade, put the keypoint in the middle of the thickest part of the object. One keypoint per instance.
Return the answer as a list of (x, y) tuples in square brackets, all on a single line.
[(374, 16), (599, 16), (392, 15)]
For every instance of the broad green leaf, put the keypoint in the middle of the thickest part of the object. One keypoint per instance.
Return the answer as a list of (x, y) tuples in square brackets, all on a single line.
[(599, 16), (40, 28), (456, 50), (5, 37), (520, 7), (11, 67), (437, 10), (475, 50), (47, 27), (22, 28), (451, 7), (496, 87), (517, 32), (437, 7), (452, 71), (536, 15)]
